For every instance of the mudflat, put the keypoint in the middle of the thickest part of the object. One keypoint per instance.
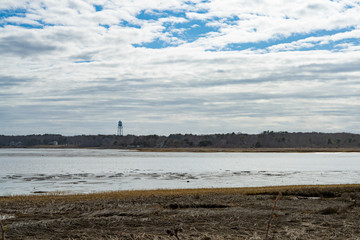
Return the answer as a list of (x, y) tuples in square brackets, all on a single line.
[(300, 212), (266, 150)]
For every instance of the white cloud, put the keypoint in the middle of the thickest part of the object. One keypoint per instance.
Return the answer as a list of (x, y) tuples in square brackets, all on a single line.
[(266, 20), (82, 68), (318, 41)]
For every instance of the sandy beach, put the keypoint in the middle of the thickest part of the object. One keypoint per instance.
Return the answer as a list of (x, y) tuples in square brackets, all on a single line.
[(303, 212)]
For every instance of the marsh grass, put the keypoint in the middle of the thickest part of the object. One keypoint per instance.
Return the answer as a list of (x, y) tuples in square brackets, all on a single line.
[(189, 204), (325, 191)]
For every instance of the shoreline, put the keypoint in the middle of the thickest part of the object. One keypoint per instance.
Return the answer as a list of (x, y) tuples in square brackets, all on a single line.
[(204, 150), (250, 150), (270, 190)]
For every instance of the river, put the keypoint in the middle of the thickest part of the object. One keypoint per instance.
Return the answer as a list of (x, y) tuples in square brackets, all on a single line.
[(31, 171)]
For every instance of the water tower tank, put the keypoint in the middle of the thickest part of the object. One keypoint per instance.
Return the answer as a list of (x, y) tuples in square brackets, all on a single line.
[(120, 128)]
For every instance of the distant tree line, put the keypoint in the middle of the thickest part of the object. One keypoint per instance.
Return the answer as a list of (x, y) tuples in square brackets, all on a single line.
[(266, 139)]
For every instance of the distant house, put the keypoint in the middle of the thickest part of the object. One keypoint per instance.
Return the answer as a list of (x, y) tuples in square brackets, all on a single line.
[(16, 144), (54, 143)]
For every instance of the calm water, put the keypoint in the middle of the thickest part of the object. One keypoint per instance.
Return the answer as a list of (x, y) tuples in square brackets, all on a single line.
[(27, 171)]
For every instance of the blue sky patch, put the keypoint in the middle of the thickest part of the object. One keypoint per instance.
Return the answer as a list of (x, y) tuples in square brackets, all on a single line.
[(98, 8), (188, 31), (28, 26), (40, 25), (284, 40), (6, 13), (156, 14), (104, 26), (128, 24), (156, 44), (21, 13), (85, 61)]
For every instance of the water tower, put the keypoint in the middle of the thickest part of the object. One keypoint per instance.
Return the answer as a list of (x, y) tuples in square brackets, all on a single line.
[(120, 128)]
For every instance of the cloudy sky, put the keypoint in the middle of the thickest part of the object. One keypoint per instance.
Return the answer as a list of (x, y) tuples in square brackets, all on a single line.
[(178, 66)]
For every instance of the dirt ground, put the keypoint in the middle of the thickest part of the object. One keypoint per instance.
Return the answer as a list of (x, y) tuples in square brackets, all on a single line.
[(303, 212)]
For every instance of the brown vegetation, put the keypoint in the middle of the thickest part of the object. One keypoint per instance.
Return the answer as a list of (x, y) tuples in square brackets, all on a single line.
[(304, 212)]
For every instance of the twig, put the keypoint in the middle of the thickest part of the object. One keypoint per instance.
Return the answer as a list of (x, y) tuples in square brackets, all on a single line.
[(2, 230), (174, 232), (272, 216)]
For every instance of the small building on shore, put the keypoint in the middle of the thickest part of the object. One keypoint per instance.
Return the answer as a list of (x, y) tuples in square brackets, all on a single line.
[(54, 143)]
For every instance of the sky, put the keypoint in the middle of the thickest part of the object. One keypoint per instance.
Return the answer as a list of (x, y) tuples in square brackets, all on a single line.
[(162, 67)]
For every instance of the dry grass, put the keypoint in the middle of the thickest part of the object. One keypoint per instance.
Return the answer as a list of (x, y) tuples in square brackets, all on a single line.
[(297, 190), (304, 212)]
